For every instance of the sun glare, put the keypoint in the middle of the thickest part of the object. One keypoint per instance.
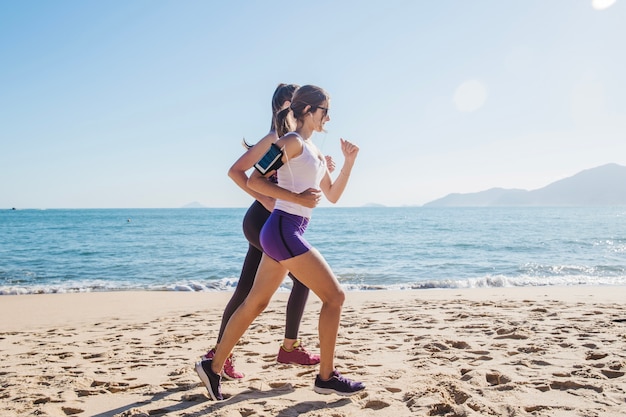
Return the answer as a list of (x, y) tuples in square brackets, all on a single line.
[(602, 4)]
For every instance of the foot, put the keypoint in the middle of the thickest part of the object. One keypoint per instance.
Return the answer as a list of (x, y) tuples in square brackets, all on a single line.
[(337, 384), (229, 372), (297, 355), (210, 379)]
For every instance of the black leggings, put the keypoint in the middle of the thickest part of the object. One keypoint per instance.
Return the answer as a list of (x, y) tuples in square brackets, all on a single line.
[(253, 221)]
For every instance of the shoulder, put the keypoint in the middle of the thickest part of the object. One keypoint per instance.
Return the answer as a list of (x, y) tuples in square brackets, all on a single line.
[(268, 139), (290, 139), (253, 154), (259, 148), (291, 143)]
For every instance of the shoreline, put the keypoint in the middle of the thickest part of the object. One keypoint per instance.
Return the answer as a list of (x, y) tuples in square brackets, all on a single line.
[(25, 310), (536, 351), (228, 285)]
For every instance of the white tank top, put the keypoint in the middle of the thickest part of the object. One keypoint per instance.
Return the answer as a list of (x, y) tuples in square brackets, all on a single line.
[(298, 174)]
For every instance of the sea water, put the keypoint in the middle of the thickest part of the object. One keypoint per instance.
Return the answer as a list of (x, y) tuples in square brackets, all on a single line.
[(47, 251)]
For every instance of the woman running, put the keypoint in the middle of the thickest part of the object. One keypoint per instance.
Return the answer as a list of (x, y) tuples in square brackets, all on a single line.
[(286, 250), (292, 351)]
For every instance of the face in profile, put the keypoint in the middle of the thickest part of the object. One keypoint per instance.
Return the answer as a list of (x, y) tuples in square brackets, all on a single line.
[(320, 116)]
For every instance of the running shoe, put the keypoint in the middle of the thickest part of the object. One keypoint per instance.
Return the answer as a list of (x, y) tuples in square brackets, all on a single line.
[(210, 379), (337, 384), (229, 372), (298, 355)]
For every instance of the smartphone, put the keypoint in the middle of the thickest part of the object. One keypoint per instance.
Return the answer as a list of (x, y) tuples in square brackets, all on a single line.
[(271, 161)]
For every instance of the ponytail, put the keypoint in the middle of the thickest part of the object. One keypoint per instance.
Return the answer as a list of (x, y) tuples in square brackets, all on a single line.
[(282, 95), (307, 97), (283, 122)]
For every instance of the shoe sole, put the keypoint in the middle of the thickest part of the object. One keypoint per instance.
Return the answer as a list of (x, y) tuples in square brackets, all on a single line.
[(224, 374), (296, 363), (230, 378), (326, 391), (205, 380)]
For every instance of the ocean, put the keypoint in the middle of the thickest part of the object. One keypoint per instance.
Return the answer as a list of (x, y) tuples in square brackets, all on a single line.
[(368, 248)]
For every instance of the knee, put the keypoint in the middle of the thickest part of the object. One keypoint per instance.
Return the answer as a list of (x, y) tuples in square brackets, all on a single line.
[(256, 306), (337, 299), (341, 297)]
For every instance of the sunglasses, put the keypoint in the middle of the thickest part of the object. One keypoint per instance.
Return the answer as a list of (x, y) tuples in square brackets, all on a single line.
[(325, 110)]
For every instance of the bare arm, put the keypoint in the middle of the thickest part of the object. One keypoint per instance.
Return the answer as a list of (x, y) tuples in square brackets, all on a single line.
[(237, 171), (334, 189), (308, 198)]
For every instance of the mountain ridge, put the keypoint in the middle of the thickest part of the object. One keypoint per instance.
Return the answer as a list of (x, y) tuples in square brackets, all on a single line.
[(604, 185)]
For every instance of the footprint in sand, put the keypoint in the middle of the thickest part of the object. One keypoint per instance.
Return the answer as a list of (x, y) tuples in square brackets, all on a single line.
[(612, 374), (69, 411), (458, 344), (593, 356), (516, 334), (572, 385), (376, 404), (496, 378), (307, 372)]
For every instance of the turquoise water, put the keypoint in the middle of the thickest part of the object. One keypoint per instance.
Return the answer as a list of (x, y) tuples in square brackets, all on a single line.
[(394, 248)]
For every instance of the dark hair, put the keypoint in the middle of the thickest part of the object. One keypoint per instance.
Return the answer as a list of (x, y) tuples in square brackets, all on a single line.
[(284, 92), (307, 95)]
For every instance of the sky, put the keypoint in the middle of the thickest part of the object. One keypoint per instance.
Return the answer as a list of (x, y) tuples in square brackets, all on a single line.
[(143, 103)]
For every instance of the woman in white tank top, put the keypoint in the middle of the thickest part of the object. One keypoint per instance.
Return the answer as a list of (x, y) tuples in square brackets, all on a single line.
[(302, 175)]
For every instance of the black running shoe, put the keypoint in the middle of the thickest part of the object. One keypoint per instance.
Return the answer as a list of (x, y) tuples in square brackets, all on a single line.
[(337, 384), (210, 379)]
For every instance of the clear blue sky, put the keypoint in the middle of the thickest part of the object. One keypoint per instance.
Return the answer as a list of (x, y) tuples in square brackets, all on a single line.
[(143, 103)]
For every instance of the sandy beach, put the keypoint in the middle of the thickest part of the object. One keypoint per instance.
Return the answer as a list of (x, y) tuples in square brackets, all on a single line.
[(547, 351)]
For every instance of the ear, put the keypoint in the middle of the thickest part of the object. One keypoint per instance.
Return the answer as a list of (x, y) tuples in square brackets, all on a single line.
[(306, 109)]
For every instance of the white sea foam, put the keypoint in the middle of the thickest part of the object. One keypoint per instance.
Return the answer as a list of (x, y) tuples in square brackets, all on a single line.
[(230, 284)]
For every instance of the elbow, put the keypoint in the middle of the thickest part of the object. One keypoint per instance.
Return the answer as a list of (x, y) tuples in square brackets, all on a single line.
[(251, 183), (232, 172)]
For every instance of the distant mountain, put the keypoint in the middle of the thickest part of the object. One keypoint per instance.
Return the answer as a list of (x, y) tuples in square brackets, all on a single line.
[(601, 186)]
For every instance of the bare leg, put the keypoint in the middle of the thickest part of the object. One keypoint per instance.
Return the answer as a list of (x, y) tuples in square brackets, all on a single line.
[(313, 271), (269, 276)]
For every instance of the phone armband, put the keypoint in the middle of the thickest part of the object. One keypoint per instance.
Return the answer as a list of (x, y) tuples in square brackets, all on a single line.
[(271, 161)]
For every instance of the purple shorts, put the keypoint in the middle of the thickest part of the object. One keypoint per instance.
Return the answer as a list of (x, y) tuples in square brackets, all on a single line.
[(281, 235)]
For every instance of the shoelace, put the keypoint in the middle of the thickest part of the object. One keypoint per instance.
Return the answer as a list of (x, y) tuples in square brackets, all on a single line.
[(299, 347), (343, 379)]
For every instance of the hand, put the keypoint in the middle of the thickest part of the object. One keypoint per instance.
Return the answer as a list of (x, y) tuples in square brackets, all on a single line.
[(349, 150), (330, 163), (310, 197)]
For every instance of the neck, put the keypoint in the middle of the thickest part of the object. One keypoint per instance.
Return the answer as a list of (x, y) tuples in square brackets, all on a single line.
[(304, 131)]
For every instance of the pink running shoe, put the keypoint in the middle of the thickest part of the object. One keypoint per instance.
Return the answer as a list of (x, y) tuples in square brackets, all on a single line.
[(298, 355), (229, 372)]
